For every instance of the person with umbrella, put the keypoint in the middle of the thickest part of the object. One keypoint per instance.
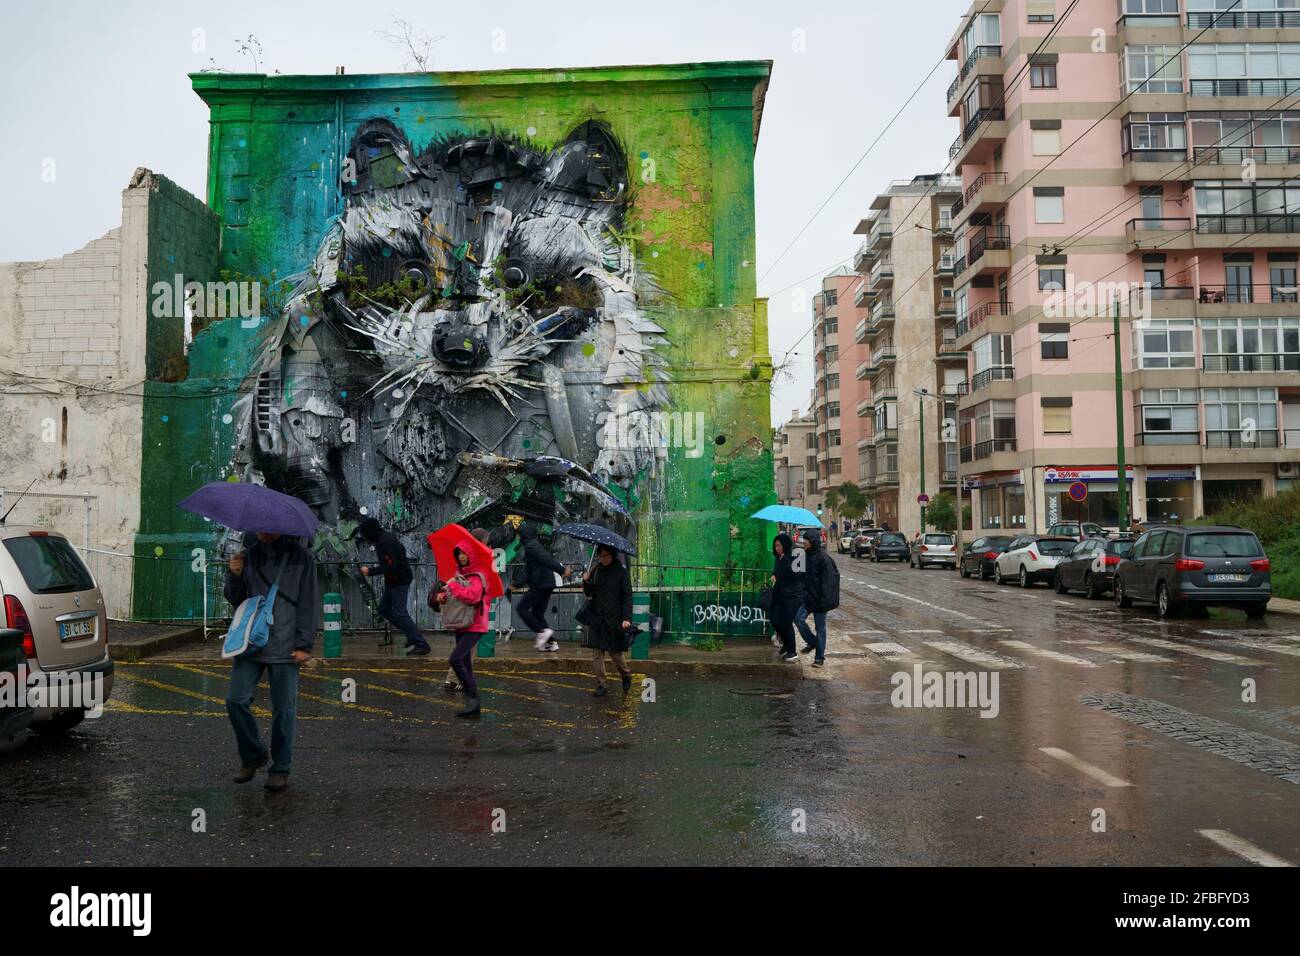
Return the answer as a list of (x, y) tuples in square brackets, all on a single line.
[(608, 615), (540, 569), (787, 593), (396, 570), (465, 564)]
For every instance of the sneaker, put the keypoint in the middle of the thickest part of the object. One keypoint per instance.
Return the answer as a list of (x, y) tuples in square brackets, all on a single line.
[(249, 771), (807, 648), (471, 708), (419, 651), (552, 646), (539, 644), (600, 691), (627, 683), (546, 634), (789, 656), (276, 782), (819, 663)]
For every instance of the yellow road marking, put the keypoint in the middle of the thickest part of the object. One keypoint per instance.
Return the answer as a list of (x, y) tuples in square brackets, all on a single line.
[(186, 692)]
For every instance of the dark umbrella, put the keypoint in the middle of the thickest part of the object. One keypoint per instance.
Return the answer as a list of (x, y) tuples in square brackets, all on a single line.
[(595, 534), (247, 507)]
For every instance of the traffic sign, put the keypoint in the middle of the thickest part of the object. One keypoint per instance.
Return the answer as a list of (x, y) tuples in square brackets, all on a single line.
[(922, 499), (1078, 491)]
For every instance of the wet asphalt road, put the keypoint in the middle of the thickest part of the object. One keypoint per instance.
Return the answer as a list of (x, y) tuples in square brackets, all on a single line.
[(1144, 721)]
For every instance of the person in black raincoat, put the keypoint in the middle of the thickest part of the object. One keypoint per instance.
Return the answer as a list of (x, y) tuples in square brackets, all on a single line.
[(608, 587), (540, 568), (787, 592)]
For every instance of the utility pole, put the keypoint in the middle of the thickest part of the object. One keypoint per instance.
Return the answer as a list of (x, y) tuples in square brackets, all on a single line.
[(921, 394), (1121, 471)]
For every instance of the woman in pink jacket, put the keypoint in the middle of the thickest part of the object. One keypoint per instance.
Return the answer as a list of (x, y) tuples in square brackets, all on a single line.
[(469, 586)]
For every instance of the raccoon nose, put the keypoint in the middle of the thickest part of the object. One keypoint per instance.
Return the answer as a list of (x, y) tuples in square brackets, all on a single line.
[(460, 346)]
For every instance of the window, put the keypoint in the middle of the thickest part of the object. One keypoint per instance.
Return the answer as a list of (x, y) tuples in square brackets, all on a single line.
[(1152, 68), (1164, 343), (832, 326), (833, 410), (832, 296), (1049, 204), (1168, 416), (1051, 279), (1243, 69), (1282, 281), (1046, 142), (1056, 415), (1240, 417), (1055, 339), (1152, 10), (984, 30), (833, 438), (992, 351), (1154, 136), (832, 354), (1042, 76), (1251, 345), (49, 565), (833, 381)]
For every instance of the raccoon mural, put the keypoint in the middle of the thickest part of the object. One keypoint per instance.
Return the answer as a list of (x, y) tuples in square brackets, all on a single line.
[(470, 322)]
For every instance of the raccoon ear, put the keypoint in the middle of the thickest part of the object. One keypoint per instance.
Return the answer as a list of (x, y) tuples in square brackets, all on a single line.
[(594, 162)]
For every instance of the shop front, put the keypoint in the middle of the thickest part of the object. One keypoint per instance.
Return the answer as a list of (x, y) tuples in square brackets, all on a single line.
[(997, 500), (1170, 495), (1084, 494)]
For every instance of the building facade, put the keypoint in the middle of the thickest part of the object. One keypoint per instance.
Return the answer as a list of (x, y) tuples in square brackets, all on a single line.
[(1122, 172), (794, 454), (837, 392), (908, 357)]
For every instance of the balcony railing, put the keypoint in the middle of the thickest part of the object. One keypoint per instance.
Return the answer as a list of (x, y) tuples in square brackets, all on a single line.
[(882, 356), (887, 477), (955, 209), (955, 148), (861, 371), (983, 449), (998, 373), (1168, 438), (1158, 225), (983, 115), (1234, 225), (1238, 438), (1291, 438), (944, 265), (1236, 155), (980, 313), (982, 180), (959, 266), (862, 295), (1242, 293), (953, 389), (884, 267), (978, 53), (888, 393), (952, 88), (1244, 20), (1253, 362), (1161, 293), (882, 229), (992, 237), (885, 435), (1279, 86)]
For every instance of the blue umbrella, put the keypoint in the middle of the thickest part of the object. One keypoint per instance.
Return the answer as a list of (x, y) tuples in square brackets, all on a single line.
[(247, 507), (595, 534), (788, 514)]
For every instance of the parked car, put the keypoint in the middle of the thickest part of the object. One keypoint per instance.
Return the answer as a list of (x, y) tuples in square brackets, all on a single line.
[(862, 541), (50, 596), (845, 542), (977, 558), (1177, 568), (890, 545), (1031, 558), (13, 718), (1090, 567), (1078, 530), (935, 548)]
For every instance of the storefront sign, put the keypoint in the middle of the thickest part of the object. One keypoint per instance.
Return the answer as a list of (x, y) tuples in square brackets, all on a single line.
[(1171, 474), (1071, 475)]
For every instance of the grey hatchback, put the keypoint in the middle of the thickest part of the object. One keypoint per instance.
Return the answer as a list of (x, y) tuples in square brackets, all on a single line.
[(1178, 567)]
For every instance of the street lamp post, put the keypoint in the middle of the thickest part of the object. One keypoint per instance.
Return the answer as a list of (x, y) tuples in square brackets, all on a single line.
[(922, 394)]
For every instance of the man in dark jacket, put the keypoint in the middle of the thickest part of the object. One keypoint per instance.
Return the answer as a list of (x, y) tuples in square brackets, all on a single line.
[(818, 570), (540, 569), (273, 558), (397, 583)]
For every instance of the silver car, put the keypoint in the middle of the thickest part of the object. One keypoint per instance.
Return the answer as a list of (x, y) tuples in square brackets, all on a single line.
[(935, 548), (50, 596)]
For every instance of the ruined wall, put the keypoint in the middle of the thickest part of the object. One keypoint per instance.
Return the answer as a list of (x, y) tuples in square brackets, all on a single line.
[(376, 161)]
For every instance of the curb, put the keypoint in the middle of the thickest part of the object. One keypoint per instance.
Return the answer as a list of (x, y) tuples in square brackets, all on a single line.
[(138, 650), (557, 664)]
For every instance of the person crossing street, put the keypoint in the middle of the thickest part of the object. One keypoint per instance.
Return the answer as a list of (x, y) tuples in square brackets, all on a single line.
[(396, 570)]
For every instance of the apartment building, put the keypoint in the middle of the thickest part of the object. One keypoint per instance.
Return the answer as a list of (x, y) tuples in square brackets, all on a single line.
[(837, 393), (909, 357), (1124, 169), (794, 454)]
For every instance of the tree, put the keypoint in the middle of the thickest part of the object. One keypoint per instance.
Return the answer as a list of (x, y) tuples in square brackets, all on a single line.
[(848, 500), (941, 513)]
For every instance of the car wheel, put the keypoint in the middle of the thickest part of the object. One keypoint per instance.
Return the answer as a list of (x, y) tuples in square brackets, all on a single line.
[(59, 723), (1121, 599), (1256, 611), (997, 574), (1059, 585), (961, 569), (1090, 587), (1024, 578), (1164, 606)]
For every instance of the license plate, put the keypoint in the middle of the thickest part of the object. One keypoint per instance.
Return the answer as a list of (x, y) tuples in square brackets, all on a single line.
[(1224, 578), (71, 630)]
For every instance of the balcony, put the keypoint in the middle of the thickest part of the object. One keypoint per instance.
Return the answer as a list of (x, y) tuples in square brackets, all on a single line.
[(886, 478), (881, 357), (988, 250), (944, 265), (860, 373), (864, 408), (955, 389), (1273, 223), (1167, 438), (946, 306), (883, 310), (986, 114), (1274, 87), (881, 233), (984, 131), (983, 449), (982, 52), (1245, 20), (1239, 293), (1236, 438), (1236, 155), (887, 394), (883, 271), (955, 148), (944, 226), (885, 436), (986, 191), (1253, 362), (1158, 233), (862, 256), (862, 295), (998, 373), (953, 88), (867, 329), (979, 314)]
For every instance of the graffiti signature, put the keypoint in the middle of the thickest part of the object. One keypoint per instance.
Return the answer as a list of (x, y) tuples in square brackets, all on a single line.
[(728, 614)]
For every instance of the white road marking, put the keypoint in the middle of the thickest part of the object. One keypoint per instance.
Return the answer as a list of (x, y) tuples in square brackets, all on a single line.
[(1123, 653), (1243, 848), (1271, 648), (1065, 603), (1101, 776), (1219, 656), (974, 655), (929, 604), (1050, 655), (1080, 640), (864, 632), (920, 630), (889, 649)]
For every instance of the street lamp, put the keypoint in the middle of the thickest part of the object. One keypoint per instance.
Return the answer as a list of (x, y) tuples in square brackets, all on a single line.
[(922, 394)]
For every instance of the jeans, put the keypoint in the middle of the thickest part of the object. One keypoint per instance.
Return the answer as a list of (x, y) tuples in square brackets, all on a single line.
[(245, 675), (532, 608), (462, 660), (819, 621), (392, 607)]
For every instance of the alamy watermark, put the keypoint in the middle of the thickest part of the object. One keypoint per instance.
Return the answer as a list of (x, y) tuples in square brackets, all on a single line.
[(1084, 299), (958, 689), (62, 690), (213, 300), (652, 430)]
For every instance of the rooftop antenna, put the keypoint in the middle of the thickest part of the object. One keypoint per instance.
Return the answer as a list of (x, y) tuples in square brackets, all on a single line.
[(16, 500)]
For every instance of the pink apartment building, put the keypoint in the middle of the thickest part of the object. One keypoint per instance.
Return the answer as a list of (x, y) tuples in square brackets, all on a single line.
[(837, 394), (1181, 204)]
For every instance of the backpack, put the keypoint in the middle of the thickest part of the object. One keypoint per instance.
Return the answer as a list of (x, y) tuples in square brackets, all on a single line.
[(250, 628), (458, 615), (830, 584)]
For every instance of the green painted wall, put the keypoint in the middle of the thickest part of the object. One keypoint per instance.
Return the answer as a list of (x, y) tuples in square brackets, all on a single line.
[(275, 149)]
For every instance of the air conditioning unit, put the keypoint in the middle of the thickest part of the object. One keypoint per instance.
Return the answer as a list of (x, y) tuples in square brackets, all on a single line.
[(1288, 469)]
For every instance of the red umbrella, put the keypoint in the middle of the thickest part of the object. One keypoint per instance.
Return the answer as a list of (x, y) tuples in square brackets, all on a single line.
[(451, 536)]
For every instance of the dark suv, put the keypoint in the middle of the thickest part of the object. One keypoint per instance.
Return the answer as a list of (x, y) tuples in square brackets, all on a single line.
[(890, 544), (1196, 567)]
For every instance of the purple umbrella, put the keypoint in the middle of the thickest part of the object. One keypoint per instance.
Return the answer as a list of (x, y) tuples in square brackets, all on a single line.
[(247, 507)]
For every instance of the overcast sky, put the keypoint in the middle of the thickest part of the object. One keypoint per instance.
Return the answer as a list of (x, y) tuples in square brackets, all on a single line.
[(99, 87)]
